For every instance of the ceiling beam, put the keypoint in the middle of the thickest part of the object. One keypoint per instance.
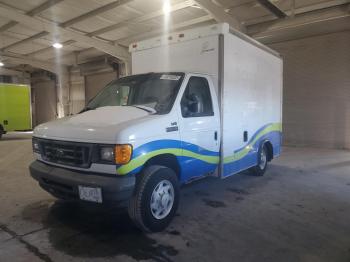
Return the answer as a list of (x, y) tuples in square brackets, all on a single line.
[(126, 40), (266, 32), (141, 19), (81, 18), (272, 8), (49, 48), (219, 14), (33, 12), (25, 40), (20, 59), (75, 57), (44, 6), (8, 26), (11, 72), (53, 28), (297, 11), (95, 12)]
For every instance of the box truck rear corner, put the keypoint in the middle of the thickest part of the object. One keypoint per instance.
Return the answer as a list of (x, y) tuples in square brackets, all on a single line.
[(15, 108)]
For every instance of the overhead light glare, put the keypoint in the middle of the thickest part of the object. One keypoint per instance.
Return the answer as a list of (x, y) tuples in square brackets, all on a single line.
[(196, 6), (1, 64), (166, 7), (57, 45)]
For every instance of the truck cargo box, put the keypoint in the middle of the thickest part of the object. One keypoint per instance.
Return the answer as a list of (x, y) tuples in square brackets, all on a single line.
[(248, 80), (15, 107)]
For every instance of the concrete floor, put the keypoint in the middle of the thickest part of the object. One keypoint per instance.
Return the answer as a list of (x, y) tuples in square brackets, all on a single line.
[(299, 211)]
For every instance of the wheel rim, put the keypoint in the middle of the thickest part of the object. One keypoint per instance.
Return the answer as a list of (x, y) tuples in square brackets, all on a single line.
[(263, 159), (162, 199)]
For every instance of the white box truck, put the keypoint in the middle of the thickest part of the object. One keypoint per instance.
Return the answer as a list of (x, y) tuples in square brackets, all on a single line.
[(201, 102)]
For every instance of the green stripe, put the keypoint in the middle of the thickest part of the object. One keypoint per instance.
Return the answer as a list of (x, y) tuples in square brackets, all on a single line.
[(242, 153), (139, 161)]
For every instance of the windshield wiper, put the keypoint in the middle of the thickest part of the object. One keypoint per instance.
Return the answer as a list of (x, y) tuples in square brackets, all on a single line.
[(145, 108)]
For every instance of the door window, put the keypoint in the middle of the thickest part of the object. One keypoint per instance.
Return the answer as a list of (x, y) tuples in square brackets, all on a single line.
[(196, 101)]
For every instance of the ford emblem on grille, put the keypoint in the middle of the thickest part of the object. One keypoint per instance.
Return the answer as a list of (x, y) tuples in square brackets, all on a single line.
[(59, 152)]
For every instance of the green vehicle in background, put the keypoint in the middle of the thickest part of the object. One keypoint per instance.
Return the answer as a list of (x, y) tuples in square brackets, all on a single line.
[(15, 109)]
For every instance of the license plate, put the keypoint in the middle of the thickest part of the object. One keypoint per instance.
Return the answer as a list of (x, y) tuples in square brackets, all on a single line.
[(92, 194)]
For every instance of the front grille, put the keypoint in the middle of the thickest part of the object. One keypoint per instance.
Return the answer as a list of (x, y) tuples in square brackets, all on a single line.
[(66, 153)]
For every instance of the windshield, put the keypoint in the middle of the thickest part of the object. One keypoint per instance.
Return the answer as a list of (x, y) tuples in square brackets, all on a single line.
[(153, 91)]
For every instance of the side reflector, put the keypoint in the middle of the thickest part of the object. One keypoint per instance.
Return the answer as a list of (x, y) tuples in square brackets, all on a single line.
[(122, 154)]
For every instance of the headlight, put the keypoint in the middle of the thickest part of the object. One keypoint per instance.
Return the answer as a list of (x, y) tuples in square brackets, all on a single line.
[(123, 154), (107, 154), (36, 145)]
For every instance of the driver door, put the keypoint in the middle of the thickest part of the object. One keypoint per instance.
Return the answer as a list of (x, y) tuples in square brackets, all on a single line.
[(199, 127)]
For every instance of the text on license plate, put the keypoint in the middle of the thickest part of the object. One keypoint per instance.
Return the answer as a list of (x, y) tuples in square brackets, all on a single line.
[(93, 194)]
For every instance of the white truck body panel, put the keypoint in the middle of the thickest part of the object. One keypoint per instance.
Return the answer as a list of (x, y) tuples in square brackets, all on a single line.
[(196, 51), (251, 99), (248, 80)]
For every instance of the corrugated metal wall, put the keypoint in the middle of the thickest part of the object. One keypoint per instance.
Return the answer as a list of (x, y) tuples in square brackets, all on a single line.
[(317, 90)]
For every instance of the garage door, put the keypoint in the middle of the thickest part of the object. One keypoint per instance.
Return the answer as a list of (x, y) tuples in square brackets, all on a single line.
[(45, 106)]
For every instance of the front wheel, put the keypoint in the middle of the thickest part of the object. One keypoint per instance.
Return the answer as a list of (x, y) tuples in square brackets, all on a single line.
[(155, 200), (260, 168)]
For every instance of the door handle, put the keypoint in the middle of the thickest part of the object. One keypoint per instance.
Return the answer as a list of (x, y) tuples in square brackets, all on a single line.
[(216, 135), (245, 136)]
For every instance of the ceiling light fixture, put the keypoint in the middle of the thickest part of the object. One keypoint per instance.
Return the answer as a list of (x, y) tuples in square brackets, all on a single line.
[(166, 7), (1, 64), (57, 45)]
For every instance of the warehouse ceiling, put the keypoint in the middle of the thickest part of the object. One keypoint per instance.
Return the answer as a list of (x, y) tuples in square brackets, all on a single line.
[(91, 29)]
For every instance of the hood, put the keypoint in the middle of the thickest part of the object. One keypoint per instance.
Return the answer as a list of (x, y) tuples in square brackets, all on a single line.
[(99, 126)]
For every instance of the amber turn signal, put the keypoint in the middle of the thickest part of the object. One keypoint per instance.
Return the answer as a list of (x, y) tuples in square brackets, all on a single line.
[(122, 154)]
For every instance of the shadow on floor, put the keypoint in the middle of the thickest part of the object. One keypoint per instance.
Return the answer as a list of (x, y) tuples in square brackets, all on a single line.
[(91, 231)]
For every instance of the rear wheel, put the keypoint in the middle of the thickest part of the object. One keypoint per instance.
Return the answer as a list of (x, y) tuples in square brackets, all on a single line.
[(156, 198), (260, 168), (1, 131)]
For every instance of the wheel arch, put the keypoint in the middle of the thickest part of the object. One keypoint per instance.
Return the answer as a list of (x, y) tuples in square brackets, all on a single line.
[(269, 148), (167, 160)]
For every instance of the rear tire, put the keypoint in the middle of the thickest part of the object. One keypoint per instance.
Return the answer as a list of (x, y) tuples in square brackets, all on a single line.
[(1, 131), (155, 200), (260, 168)]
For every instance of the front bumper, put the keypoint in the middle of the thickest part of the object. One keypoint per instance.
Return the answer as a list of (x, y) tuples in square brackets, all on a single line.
[(63, 183)]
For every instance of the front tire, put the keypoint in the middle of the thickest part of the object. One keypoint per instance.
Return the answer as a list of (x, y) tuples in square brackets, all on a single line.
[(155, 200), (260, 168)]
